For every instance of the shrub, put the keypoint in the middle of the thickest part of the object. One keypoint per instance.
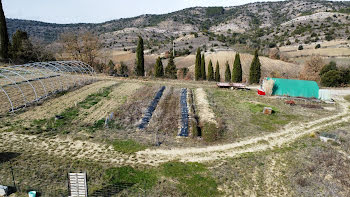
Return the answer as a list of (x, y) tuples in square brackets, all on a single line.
[(317, 46), (158, 68), (331, 66), (300, 47), (332, 78)]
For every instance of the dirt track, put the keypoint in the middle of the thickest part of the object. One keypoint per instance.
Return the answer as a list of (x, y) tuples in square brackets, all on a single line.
[(285, 136)]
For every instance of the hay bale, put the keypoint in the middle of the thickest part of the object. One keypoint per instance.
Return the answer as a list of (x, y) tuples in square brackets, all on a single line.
[(268, 86)]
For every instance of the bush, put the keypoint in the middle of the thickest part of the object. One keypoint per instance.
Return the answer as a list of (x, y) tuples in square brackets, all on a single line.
[(332, 78), (300, 47), (331, 66), (317, 46)]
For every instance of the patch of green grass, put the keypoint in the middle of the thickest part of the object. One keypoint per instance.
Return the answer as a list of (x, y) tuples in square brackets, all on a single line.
[(100, 124), (258, 108), (271, 122), (127, 146), (93, 99), (178, 169), (64, 125), (198, 185), (145, 178), (53, 126), (192, 178)]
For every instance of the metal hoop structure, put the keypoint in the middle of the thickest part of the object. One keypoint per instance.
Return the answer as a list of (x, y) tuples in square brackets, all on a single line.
[(23, 85)]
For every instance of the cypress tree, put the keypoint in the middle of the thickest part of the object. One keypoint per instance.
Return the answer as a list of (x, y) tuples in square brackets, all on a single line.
[(237, 69), (140, 61), (217, 72), (255, 69), (203, 73), (227, 73), (170, 70), (4, 38), (197, 69), (158, 68), (210, 72)]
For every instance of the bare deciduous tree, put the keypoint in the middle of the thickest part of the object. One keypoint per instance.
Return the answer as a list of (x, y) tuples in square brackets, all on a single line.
[(82, 46), (312, 68)]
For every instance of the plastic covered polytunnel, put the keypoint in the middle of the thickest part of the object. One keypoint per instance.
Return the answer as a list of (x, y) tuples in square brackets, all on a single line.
[(22, 85)]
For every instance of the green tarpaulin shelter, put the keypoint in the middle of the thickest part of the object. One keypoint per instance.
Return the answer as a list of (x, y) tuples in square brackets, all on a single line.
[(295, 88)]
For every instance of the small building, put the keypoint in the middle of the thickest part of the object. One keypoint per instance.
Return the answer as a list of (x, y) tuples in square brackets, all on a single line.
[(295, 88)]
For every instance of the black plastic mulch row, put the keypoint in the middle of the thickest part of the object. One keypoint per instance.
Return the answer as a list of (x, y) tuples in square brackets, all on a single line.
[(148, 114), (184, 113)]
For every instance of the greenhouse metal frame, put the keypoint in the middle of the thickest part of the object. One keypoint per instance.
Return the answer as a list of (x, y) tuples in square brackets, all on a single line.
[(22, 85)]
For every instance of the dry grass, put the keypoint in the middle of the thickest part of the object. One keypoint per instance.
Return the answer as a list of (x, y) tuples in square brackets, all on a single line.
[(116, 98), (205, 113), (288, 70), (268, 86), (58, 105)]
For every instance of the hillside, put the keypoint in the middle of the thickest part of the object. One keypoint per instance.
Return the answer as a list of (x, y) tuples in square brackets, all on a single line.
[(257, 24)]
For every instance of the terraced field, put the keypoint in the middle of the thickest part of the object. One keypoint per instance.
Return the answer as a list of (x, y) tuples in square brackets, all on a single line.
[(73, 127)]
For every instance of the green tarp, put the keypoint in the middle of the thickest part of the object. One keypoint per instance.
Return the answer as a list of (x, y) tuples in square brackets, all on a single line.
[(295, 88)]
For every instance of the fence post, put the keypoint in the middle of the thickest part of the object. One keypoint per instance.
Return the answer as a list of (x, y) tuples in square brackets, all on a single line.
[(13, 176)]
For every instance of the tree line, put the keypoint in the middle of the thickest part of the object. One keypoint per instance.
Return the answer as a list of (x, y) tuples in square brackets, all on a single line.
[(235, 76), (170, 70), (200, 67)]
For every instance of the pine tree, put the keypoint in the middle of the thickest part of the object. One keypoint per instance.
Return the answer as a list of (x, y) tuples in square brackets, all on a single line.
[(140, 61), (227, 73), (237, 69), (170, 70), (203, 73), (210, 72), (217, 72), (4, 38), (197, 69), (158, 68), (255, 69)]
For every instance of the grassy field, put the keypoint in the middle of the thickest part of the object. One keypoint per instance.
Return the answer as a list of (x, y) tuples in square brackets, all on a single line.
[(241, 113), (41, 151)]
